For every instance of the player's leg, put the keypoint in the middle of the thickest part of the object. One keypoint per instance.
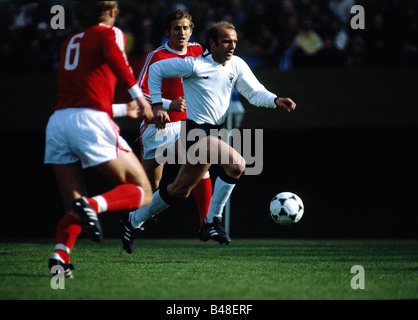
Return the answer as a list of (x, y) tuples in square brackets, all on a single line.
[(133, 188), (68, 174), (105, 150), (150, 140), (71, 185), (233, 168), (202, 193), (153, 139), (70, 182), (154, 172), (187, 178)]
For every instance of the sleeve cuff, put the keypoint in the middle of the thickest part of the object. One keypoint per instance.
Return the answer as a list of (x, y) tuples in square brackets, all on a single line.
[(156, 98), (166, 104), (135, 92), (119, 110)]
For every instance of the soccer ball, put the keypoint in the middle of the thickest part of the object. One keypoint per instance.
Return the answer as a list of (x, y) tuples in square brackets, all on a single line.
[(286, 208)]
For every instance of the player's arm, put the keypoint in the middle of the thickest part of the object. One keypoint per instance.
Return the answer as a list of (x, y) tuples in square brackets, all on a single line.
[(161, 116), (114, 55), (130, 109), (178, 104), (286, 104), (249, 86), (169, 68), (116, 59)]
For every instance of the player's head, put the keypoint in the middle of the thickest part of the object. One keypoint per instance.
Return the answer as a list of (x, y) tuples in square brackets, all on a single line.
[(92, 13), (221, 41), (177, 15), (178, 27)]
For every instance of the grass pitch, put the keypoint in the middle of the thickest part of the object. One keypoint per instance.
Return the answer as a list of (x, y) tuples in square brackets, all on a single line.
[(186, 269)]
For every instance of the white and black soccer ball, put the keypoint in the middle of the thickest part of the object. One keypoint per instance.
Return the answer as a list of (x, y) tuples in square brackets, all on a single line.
[(286, 208)]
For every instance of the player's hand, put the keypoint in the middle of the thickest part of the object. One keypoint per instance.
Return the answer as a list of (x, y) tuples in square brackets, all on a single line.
[(161, 116), (178, 105), (132, 109), (286, 104), (145, 109)]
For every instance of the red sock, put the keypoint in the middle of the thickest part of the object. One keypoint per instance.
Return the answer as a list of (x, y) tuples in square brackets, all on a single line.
[(67, 231), (202, 194), (123, 197)]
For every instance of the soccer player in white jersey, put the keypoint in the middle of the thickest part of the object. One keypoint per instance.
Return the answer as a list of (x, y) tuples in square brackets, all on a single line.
[(80, 133), (178, 26), (207, 82)]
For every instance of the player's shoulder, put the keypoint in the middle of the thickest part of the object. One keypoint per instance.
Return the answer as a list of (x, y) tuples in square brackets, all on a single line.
[(194, 44), (117, 31), (106, 30), (160, 53), (194, 49), (100, 28), (237, 59), (113, 34), (238, 62)]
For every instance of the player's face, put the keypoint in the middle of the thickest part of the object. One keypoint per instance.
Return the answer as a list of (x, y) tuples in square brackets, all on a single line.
[(224, 49), (179, 34)]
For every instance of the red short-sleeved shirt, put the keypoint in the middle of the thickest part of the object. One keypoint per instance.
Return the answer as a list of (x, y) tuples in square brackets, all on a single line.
[(172, 88)]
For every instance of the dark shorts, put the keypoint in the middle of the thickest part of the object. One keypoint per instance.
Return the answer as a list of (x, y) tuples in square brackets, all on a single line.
[(204, 131)]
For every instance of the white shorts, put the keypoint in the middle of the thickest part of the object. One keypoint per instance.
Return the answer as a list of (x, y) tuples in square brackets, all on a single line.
[(153, 139), (82, 134)]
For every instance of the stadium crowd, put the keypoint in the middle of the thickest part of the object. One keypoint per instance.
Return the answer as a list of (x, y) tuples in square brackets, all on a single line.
[(280, 34)]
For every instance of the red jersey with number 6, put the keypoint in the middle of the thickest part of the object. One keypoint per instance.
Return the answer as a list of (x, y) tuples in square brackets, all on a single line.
[(91, 62), (171, 88)]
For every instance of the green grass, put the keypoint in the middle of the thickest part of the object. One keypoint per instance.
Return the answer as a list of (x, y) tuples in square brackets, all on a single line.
[(173, 269)]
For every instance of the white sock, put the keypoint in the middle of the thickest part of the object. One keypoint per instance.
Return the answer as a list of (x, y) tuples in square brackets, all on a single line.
[(140, 215), (221, 192)]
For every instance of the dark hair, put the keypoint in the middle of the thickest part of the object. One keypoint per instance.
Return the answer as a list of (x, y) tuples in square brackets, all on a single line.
[(177, 15), (213, 32), (93, 12)]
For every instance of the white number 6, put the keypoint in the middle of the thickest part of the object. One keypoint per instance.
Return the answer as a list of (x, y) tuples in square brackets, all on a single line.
[(73, 46)]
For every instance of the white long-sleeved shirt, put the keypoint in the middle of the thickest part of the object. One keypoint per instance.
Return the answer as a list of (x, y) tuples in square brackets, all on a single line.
[(208, 85)]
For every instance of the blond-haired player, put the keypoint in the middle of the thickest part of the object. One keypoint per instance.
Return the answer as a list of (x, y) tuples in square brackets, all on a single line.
[(80, 133)]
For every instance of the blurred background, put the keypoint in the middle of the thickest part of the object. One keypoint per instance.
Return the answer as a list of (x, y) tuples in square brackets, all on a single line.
[(349, 150)]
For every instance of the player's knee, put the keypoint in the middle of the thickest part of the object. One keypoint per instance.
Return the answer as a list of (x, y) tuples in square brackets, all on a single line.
[(183, 194), (146, 195), (235, 170), (180, 193), (146, 199)]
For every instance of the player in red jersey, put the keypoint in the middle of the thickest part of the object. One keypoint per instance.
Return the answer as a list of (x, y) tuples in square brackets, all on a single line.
[(80, 133), (178, 27)]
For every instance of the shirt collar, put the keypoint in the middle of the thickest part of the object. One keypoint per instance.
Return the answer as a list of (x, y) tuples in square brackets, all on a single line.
[(182, 53), (208, 55), (104, 25)]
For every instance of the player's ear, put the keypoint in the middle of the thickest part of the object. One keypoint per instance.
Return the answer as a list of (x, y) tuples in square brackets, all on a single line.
[(113, 12), (212, 43)]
